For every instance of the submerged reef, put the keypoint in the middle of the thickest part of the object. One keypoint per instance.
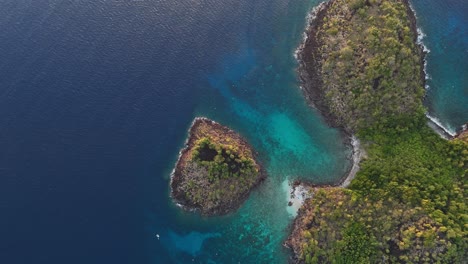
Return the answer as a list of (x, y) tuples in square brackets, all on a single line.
[(216, 170)]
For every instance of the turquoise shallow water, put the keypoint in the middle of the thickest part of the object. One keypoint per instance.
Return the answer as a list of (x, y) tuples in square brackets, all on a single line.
[(254, 90), (96, 99)]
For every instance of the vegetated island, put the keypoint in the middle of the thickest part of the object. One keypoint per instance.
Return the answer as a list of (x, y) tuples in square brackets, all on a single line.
[(362, 68), (216, 170)]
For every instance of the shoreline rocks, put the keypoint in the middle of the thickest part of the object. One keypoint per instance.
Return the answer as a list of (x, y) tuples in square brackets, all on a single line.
[(309, 56), (462, 134), (216, 170), (308, 71)]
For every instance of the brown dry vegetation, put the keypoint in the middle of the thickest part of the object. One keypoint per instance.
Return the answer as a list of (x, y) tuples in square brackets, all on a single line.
[(407, 203), (216, 170), (370, 65)]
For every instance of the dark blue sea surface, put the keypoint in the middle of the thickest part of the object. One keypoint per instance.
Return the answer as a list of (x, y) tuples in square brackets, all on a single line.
[(445, 28), (96, 98)]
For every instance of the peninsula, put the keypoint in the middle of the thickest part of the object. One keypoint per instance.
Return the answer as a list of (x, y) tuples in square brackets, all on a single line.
[(216, 170), (362, 67)]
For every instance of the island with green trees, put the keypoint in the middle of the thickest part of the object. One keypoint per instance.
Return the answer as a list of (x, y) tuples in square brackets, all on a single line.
[(362, 68), (216, 170)]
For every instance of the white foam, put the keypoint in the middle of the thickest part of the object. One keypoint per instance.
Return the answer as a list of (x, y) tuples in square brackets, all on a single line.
[(439, 124), (310, 17), (295, 196), (420, 41), (434, 120), (426, 50)]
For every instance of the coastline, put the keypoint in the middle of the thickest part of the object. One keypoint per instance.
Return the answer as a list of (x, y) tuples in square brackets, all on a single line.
[(310, 83), (436, 126), (432, 121), (358, 154), (308, 72), (176, 174), (307, 69), (314, 222), (418, 36)]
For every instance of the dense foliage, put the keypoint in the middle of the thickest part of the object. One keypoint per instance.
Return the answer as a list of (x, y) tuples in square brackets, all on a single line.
[(370, 63), (408, 203), (217, 171), (222, 161)]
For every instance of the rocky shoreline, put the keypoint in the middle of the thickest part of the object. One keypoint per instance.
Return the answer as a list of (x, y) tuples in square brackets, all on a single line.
[(416, 34), (308, 70), (298, 225), (462, 133), (437, 127), (178, 178), (432, 121), (309, 66)]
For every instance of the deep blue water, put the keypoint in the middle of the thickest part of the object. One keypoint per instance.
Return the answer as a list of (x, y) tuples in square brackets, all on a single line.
[(96, 98), (445, 25)]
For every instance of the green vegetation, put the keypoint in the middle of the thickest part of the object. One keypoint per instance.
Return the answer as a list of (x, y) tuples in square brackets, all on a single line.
[(222, 161), (216, 171), (408, 203), (370, 64)]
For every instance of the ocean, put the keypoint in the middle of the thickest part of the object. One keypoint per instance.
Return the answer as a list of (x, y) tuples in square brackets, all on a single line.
[(444, 25), (96, 98)]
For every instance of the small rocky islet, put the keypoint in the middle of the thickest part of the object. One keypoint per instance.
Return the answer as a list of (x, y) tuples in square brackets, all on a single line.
[(362, 67), (216, 170)]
